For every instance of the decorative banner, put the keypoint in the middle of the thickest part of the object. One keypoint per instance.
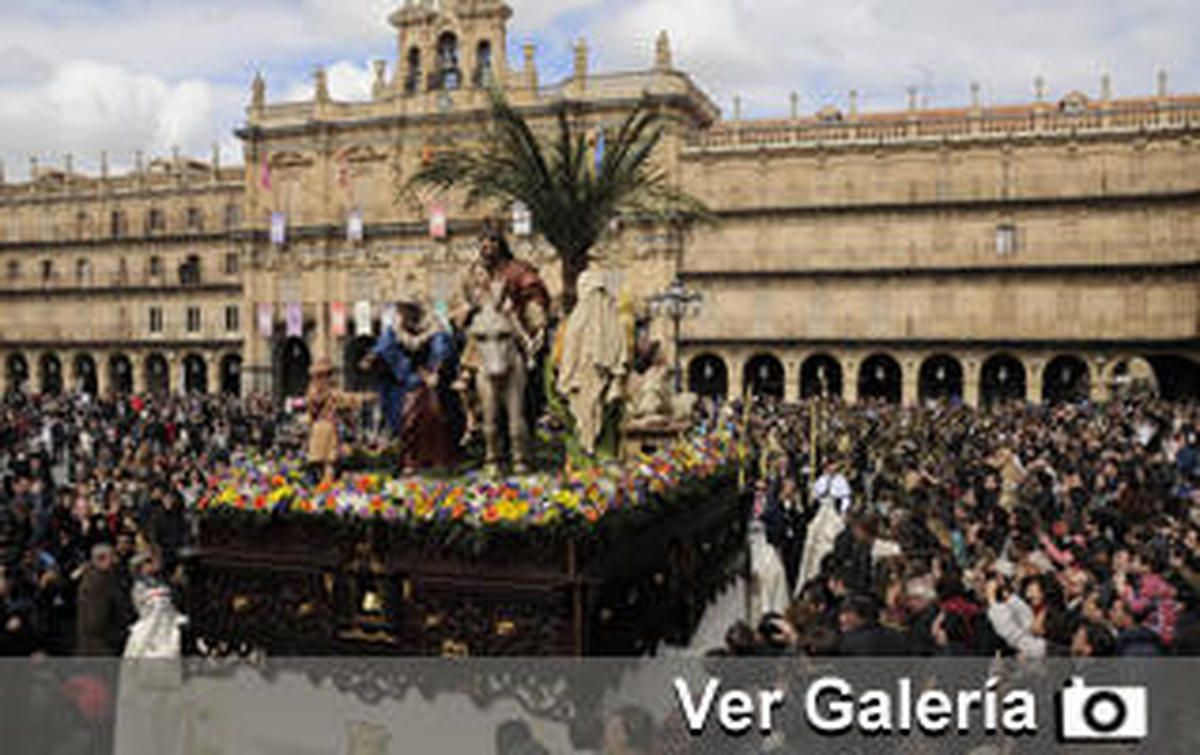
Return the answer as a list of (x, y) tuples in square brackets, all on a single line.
[(266, 173), (266, 317), (437, 221), (278, 227), (599, 148), (362, 318), (522, 219), (389, 316), (337, 318), (354, 227), (295, 319)]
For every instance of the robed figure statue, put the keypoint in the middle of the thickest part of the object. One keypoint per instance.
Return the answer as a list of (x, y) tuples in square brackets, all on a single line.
[(416, 356)]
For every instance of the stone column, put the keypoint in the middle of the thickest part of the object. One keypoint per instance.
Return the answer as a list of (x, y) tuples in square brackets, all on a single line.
[(910, 372), (971, 377), (102, 369), (70, 372), (212, 372), (1033, 379), (850, 379), (3, 369), (737, 366), (791, 379), (137, 365), (1098, 390), (176, 375), (35, 373)]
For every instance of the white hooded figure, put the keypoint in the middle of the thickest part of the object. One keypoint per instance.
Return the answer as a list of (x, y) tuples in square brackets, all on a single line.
[(822, 532), (594, 355), (768, 581), (150, 708)]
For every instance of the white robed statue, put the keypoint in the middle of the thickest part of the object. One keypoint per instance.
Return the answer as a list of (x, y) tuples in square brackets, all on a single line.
[(594, 357), (822, 532)]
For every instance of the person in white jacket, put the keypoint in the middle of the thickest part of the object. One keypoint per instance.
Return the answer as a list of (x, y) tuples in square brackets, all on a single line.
[(1012, 620)]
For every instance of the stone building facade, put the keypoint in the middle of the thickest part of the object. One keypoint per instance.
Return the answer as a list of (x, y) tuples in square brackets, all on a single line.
[(1047, 250)]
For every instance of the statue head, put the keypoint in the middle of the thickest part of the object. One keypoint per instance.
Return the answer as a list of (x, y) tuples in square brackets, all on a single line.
[(493, 246)]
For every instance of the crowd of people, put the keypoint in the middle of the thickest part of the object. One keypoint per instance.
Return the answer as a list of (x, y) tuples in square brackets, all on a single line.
[(944, 530), (93, 495)]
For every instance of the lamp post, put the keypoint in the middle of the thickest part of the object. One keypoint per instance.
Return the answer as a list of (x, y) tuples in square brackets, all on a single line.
[(676, 303)]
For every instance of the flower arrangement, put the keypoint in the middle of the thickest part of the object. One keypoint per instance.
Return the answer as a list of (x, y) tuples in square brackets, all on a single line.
[(577, 498)]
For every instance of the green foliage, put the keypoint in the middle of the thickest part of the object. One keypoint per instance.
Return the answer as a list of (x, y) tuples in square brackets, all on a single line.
[(572, 200)]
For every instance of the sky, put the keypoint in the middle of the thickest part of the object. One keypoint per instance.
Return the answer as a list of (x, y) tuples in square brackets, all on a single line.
[(85, 76)]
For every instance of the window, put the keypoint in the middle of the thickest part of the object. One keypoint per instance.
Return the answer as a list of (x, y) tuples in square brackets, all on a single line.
[(233, 263), (233, 217), (195, 219), (233, 318), (14, 270), (83, 272), (483, 64), (118, 224), (122, 271), (155, 221), (449, 77), (155, 267), (412, 77), (81, 225), (189, 271), (193, 319), (156, 320), (1006, 240), (47, 270)]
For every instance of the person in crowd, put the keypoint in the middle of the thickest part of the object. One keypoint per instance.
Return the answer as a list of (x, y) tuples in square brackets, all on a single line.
[(104, 613)]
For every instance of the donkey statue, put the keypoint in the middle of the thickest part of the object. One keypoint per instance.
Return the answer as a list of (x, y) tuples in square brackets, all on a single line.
[(501, 342)]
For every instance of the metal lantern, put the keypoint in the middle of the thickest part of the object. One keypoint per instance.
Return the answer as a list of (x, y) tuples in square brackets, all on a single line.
[(676, 303)]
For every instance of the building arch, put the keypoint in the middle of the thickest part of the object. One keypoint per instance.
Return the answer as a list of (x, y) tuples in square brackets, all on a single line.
[(940, 378), (358, 379), (52, 377), (483, 63), (708, 376), (120, 374), (1066, 379), (195, 374), (292, 361), (231, 375), (880, 378), (158, 375), (1002, 378), (1178, 377), (86, 379), (412, 71), (763, 376), (820, 375), (16, 371), (449, 75)]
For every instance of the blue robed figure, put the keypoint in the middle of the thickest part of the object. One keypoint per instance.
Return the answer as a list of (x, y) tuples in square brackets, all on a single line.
[(416, 356)]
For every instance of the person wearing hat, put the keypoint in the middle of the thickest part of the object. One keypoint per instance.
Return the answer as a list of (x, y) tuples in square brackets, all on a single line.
[(322, 403)]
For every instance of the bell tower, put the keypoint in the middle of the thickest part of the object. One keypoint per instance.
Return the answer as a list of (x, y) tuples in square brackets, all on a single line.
[(447, 45)]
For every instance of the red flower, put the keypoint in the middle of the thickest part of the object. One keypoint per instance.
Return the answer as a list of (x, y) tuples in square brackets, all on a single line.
[(260, 502)]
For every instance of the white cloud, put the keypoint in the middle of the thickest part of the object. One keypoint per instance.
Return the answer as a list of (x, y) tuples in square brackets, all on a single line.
[(87, 75)]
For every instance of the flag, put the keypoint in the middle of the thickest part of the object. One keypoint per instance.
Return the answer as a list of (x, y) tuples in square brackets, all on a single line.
[(295, 319), (599, 148), (278, 228), (337, 318), (265, 173), (362, 318), (389, 317), (354, 227), (437, 221), (266, 317), (522, 219)]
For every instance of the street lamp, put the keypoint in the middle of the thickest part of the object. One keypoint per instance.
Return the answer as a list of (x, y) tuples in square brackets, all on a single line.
[(676, 303)]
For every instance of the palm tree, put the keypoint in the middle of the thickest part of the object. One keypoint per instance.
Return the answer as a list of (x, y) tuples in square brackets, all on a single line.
[(571, 197)]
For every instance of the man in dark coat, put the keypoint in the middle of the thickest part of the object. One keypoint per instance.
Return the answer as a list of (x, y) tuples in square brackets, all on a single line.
[(103, 611), (861, 635)]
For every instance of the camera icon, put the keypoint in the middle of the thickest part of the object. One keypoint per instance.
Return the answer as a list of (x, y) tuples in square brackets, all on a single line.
[(1101, 714)]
